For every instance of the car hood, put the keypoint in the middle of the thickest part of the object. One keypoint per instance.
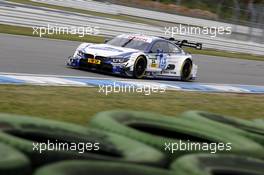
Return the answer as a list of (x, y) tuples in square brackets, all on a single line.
[(107, 50)]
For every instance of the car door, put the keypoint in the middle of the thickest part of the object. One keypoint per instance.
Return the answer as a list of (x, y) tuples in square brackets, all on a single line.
[(159, 55), (175, 53)]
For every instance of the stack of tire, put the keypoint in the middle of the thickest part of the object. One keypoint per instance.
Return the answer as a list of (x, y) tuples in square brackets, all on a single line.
[(133, 143)]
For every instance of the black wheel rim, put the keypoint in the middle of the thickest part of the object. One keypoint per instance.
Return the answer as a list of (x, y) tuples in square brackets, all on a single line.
[(186, 71), (140, 67)]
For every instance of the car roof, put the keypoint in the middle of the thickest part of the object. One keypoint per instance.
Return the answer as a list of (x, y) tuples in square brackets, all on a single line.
[(141, 37)]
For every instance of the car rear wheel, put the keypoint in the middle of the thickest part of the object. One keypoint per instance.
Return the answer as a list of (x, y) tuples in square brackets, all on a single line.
[(140, 67), (186, 70)]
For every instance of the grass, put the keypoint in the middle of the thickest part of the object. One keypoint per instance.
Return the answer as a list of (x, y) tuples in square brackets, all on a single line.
[(16, 30), (78, 104), (120, 17)]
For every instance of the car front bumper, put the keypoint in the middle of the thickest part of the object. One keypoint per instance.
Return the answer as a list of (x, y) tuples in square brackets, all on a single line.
[(104, 66)]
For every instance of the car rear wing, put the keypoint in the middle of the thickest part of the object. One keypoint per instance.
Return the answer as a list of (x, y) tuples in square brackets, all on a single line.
[(186, 43)]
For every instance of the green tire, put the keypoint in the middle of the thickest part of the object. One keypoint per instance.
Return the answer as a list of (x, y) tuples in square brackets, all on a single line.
[(259, 121), (208, 164), (98, 168), (13, 161), (21, 132), (156, 130), (247, 128)]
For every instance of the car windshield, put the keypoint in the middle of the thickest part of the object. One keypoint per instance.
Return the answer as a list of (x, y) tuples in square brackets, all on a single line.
[(129, 43)]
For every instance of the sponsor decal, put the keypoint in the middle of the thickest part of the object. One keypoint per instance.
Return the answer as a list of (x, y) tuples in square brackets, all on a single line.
[(94, 61)]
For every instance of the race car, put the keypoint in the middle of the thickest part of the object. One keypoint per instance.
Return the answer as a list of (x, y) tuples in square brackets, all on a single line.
[(138, 56)]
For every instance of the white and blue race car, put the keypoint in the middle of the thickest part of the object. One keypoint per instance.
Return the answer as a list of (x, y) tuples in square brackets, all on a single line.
[(138, 56)]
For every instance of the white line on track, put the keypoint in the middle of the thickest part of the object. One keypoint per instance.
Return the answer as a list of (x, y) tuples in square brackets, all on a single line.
[(220, 86)]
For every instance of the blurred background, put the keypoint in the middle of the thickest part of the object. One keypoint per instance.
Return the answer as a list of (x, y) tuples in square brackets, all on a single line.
[(241, 12)]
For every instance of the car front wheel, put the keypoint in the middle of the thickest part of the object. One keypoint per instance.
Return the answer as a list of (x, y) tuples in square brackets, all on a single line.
[(140, 67)]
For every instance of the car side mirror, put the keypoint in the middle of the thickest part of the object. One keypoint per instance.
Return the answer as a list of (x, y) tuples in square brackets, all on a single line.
[(106, 40)]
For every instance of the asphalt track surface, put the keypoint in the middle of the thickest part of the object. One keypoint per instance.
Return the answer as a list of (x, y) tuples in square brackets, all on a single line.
[(20, 54)]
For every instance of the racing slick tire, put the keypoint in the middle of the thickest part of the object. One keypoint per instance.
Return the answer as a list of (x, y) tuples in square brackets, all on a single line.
[(186, 70), (13, 162), (25, 133), (157, 130), (213, 164), (98, 168), (140, 66), (249, 128)]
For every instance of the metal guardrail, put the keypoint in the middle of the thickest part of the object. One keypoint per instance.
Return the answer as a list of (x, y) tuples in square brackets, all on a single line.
[(131, 11), (29, 17)]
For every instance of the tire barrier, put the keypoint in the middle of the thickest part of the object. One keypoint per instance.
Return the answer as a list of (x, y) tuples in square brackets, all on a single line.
[(98, 168), (56, 139), (155, 130), (206, 164), (13, 161), (252, 130), (132, 143), (259, 121)]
